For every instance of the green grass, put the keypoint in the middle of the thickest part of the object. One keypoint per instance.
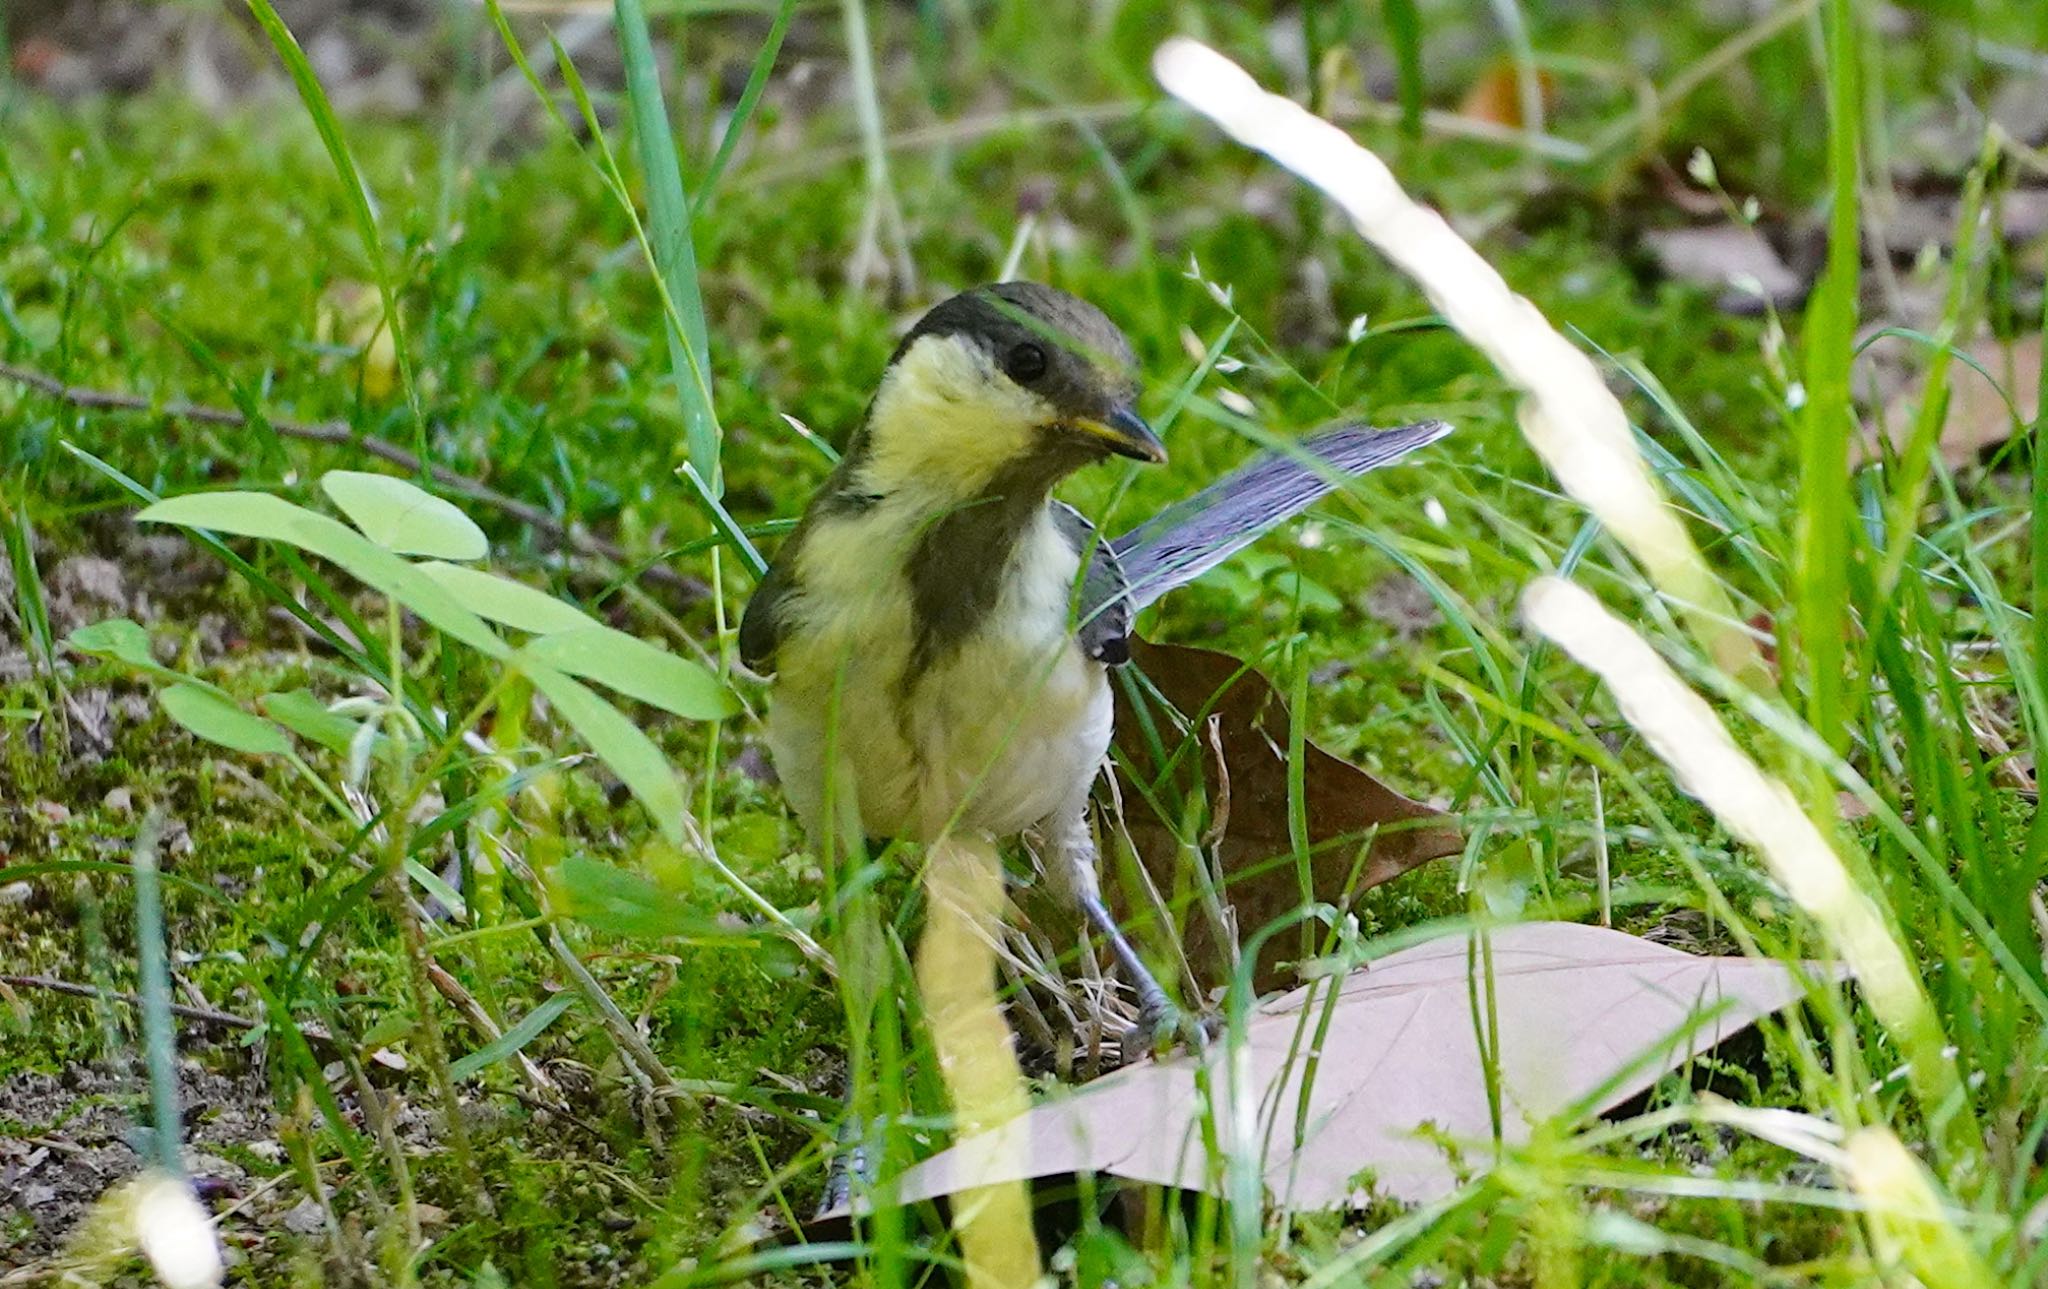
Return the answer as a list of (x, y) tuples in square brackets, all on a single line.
[(147, 248)]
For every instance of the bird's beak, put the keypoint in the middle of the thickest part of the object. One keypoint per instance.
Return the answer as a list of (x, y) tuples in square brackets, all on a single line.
[(1125, 433)]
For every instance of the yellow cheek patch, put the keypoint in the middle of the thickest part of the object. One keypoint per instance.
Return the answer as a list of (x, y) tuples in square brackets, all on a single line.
[(946, 419)]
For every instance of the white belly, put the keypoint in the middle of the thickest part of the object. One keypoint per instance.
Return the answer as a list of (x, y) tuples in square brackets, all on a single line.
[(1008, 727)]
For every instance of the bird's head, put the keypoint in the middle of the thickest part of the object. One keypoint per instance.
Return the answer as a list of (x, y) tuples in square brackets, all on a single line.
[(1014, 382)]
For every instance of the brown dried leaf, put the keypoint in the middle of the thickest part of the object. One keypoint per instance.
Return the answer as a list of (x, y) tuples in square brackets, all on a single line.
[(1585, 1014), (1246, 792), (1496, 97), (1979, 418)]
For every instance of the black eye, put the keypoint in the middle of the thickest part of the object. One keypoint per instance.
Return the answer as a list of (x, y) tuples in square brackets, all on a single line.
[(1025, 363)]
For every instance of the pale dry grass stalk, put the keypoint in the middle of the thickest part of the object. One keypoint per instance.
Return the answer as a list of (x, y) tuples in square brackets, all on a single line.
[(1575, 424), (174, 1232), (1910, 1226), (1759, 810), (956, 976), (1580, 430)]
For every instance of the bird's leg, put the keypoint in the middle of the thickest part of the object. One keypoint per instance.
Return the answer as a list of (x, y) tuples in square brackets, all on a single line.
[(1157, 1016), (849, 1162), (1069, 861)]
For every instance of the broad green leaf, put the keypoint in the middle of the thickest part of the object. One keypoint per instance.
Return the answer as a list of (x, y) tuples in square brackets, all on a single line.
[(127, 642), (624, 902), (619, 743), (514, 1039), (637, 669), (500, 599), (402, 518), (391, 1028), (217, 720), (116, 638), (313, 622), (258, 514), (306, 716)]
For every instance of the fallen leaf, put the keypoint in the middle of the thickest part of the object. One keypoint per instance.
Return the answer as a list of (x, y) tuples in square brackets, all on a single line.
[(36, 57), (1919, 221), (1587, 1016), (1979, 417), (1731, 257), (1246, 792), (1496, 97)]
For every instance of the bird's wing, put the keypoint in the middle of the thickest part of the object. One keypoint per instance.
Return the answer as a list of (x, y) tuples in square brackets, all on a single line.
[(1186, 540), (761, 625), (1104, 612)]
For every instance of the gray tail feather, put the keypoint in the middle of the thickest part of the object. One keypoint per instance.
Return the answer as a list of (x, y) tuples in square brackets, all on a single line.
[(1186, 540)]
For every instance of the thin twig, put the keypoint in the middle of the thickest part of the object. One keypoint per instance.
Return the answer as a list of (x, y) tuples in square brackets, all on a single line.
[(487, 1028), (1437, 121), (641, 1061), (198, 1015), (201, 1015), (340, 433), (555, 1108)]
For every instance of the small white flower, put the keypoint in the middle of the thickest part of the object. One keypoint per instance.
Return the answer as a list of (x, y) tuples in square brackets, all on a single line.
[(1235, 401), (1356, 331), (1433, 510), (1795, 396), (1701, 167)]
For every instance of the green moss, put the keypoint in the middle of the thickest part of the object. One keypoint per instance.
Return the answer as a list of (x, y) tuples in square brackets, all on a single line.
[(147, 246)]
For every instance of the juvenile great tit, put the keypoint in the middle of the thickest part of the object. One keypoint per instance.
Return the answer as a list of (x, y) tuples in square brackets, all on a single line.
[(941, 629)]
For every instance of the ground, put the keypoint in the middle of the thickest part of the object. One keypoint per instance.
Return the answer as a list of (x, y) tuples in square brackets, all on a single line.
[(183, 237)]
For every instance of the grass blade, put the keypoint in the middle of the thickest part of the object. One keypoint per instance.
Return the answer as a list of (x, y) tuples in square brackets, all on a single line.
[(1823, 530), (607, 167), (153, 972), (1404, 33), (361, 208), (514, 1039), (675, 258), (750, 98), (2037, 537)]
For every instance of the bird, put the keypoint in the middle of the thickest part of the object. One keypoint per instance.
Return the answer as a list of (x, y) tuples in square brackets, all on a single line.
[(938, 630)]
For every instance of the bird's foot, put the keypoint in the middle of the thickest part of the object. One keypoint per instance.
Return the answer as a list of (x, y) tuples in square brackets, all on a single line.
[(849, 1162), (1161, 1027)]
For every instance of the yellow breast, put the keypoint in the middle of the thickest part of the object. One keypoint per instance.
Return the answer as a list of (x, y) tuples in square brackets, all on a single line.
[(1007, 727)]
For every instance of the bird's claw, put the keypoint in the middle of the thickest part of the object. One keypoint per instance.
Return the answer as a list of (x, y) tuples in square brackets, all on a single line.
[(1161, 1026)]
